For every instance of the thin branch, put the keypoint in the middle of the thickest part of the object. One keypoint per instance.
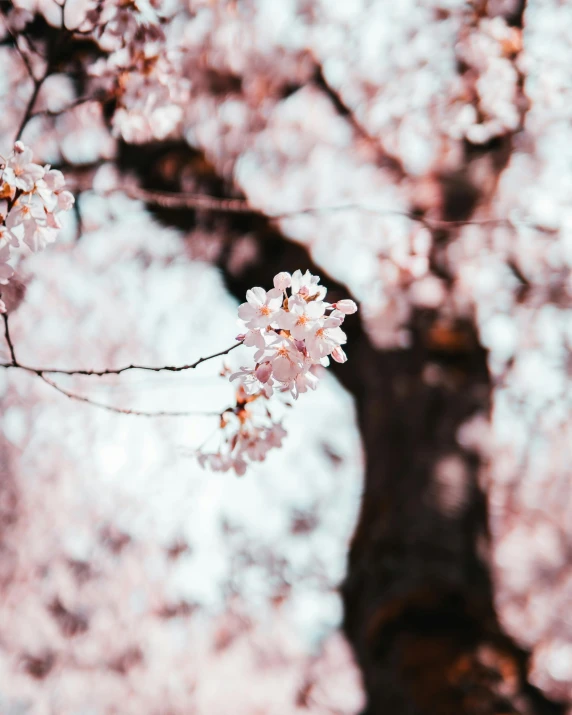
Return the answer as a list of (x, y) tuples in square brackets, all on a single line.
[(121, 410), (62, 6), (14, 362), (38, 82), (171, 200), (118, 371), (31, 102), (59, 112), (25, 58), (167, 199), (40, 372)]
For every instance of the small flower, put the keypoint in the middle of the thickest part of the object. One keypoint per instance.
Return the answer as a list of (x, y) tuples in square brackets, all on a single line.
[(239, 466), (306, 286), (65, 201), (20, 171), (301, 317), (339, 355), (7, 238), (254, 339), (346, 306), (323, 341), (263, 372), (275, 435), (305, 380), (285, 358), (282, 281), (260, 309), (27, 220)]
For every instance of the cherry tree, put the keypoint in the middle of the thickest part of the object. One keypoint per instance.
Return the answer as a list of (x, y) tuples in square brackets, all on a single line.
[(163, 163)]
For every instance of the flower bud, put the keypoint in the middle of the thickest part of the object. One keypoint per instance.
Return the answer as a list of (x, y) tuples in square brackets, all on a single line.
[(339, 355), (263, 372), (346, 306), (282, 280)]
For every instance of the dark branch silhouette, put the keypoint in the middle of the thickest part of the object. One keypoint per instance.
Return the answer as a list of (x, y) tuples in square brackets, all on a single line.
[(41, 373)]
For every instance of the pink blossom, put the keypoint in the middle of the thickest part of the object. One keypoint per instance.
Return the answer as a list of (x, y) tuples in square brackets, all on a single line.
[(339, 355), (301, 317), (275, 435), (65, 201), (305, 380), (306, 285), (6, 237), (32, 218), (282, 281), (324, 340), (254, 339), (291, 342), (260, 308), (27, 221), (346, 306), (263, 372), (20, 171), (285, 358)]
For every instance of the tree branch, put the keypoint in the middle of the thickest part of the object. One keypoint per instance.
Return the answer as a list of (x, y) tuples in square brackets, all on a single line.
[(38, 82), (121, 410), (14, 362), (173, 200), (109, 371), (76, 103), (41, 373)]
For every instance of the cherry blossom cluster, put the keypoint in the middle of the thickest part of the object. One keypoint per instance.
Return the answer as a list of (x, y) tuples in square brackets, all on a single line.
[(149, 92), (31, 199), (293, 332), (247, 434), (141, 68)]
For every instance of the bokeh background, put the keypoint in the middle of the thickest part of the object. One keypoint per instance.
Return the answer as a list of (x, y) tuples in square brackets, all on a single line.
[(408, 550)]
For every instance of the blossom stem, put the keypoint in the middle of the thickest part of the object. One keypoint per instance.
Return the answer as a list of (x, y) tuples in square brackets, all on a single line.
[(14, 362)]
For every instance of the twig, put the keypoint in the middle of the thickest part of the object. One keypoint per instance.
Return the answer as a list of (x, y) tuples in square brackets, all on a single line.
[(31, 102), (22, 54), (167, 199), (171, 200), (118, 371), (14, 362), (121, 410), (38, 82), (59, 112), (41, 373)]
